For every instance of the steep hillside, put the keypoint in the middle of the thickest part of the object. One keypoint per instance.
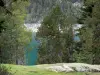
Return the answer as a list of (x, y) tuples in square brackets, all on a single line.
[(40, 8)]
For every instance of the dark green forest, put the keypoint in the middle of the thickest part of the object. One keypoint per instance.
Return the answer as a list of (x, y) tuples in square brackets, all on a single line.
[(56, 34)]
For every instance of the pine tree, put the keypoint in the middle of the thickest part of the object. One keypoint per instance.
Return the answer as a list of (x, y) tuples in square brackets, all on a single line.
[(13, 35), (56, 30), (90, 30)]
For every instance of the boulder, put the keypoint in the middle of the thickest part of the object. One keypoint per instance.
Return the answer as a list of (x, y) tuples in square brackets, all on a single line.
[(70, 67)]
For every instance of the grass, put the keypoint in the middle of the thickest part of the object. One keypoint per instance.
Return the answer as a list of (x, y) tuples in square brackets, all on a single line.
[(33, 70)]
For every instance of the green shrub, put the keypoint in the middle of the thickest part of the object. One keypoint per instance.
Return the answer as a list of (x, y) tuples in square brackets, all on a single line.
[(4, 70)]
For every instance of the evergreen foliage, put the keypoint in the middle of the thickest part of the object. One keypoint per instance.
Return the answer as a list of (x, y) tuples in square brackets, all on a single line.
[(90, 31), (13, 33), (87, 50), (56, 37)]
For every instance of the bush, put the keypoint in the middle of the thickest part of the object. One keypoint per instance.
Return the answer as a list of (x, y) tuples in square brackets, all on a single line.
[(4, 70)]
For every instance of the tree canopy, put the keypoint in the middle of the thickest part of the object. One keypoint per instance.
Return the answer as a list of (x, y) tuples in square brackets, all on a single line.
[(13, 34)]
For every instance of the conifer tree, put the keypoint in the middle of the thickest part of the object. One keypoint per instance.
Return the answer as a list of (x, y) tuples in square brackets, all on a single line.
[(90, 30), (56, 37), (13, 33)]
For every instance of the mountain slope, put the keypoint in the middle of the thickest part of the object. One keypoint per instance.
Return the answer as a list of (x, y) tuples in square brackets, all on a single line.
[(40, 8)]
